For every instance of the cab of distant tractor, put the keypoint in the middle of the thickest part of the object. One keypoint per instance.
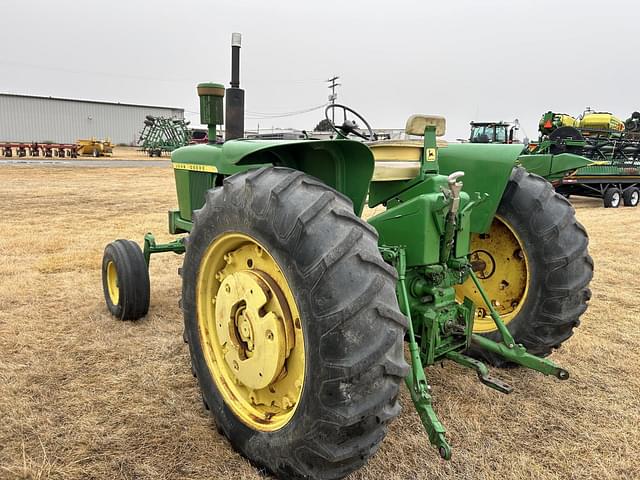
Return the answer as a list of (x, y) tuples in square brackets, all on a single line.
[(494, 132)]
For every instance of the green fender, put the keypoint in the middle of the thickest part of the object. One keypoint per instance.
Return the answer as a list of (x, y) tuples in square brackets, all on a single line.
[(344, 165), (487, 169)]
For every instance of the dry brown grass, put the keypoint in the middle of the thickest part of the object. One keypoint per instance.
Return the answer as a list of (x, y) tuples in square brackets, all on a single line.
[(83, 396)]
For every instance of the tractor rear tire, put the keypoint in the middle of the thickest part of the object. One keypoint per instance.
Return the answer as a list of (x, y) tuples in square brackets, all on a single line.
[(631, 196), (555, 246), (349, 324), (125, 280), (612, 198)]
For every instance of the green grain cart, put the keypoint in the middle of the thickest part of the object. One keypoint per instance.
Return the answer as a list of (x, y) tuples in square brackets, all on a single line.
[(297, 311)]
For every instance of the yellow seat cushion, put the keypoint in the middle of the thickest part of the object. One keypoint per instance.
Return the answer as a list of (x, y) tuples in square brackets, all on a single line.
[(397, 159)]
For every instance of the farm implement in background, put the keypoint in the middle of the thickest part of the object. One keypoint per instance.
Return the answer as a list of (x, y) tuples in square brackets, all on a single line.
[(46, 150), (296, 309), (551, 165), (613, 146), (161, 134), (95, 148), (92, 147)]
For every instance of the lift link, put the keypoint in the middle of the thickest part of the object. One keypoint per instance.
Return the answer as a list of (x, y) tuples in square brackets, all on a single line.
[(508, 348), (416, 380)]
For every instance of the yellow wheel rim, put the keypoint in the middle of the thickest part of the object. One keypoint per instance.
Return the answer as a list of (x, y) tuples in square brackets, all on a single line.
[(112, 283), (251, 333), (501, 263)]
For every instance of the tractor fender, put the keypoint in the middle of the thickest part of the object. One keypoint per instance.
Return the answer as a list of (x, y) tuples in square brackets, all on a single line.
[(345, 165), (487, 169)]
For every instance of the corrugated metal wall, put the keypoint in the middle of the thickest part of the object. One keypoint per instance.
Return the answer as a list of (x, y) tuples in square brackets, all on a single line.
[(41, 119)]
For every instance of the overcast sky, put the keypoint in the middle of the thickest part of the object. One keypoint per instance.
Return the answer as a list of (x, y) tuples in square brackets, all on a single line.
[(464, 59)]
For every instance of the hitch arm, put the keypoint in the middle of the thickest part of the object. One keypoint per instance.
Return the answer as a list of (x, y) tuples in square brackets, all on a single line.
[(508, 348), (416, 380)]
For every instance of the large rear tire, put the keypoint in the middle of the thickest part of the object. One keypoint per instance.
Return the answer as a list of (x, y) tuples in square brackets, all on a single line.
[(337, 356), (539, 278)]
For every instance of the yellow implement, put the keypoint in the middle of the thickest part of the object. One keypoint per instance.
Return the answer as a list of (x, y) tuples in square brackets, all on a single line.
[(95, 147)]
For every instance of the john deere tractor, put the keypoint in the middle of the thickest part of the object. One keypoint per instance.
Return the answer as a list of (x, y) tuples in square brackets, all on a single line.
[(297, 311)]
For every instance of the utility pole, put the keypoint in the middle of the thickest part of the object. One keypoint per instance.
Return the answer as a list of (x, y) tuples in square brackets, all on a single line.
[(333, 96)]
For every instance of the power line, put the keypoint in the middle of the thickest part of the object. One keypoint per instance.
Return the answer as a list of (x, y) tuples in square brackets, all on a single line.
[(333, 96), (264, 115)]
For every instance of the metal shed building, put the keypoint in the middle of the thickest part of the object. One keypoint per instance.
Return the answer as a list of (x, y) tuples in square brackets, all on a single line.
[(26, 118)]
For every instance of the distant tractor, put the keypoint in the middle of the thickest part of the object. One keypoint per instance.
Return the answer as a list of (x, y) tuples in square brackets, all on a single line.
[(494, 132), (296, 310)]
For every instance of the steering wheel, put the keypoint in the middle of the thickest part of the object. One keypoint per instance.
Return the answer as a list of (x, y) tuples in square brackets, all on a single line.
[(349, 126)]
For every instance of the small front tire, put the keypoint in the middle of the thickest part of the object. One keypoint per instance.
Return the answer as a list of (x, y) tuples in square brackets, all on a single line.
[(125, 280)]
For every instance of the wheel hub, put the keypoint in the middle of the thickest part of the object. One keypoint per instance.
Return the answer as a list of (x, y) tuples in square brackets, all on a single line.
[(251, 333), (485, 262), (112, 283), (500, 263), (251, 327)]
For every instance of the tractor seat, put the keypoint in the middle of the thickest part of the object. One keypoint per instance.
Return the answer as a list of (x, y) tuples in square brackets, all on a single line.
[(400, 159), (397, 159)]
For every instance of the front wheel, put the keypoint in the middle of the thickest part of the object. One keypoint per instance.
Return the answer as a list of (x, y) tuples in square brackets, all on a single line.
[(293, 325), (536, 268), (125, 280)]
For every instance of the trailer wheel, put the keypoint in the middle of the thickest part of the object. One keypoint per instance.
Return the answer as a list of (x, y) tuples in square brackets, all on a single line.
[(611, 198), (631, 196), (537, 268), (293, 324), (125, 280)]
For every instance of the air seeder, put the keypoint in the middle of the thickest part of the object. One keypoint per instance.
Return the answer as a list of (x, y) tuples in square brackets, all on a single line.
[(297, 310)]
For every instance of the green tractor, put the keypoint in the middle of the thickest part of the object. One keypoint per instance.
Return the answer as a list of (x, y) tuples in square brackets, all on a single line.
[(297, 311)]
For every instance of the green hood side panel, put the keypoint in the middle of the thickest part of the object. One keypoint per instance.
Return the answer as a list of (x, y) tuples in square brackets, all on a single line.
[(345, 165), (487, 169)]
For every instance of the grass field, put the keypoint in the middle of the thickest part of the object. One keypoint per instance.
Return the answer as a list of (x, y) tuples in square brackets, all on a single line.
[(83, 396)]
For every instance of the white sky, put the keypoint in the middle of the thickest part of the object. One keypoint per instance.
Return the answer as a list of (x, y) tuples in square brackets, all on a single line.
[(464, 59)]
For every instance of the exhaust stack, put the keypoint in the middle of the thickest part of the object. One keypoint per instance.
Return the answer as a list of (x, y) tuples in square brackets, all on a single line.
[(234, 128)]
